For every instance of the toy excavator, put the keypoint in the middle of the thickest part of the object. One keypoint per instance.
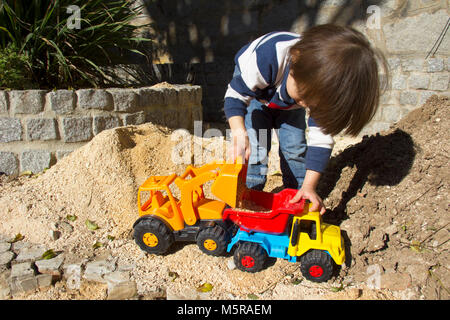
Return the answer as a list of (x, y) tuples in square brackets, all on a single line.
[(276, 228)]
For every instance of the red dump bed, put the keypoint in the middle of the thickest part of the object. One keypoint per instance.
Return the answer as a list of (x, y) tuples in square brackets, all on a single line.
[(273, 214)]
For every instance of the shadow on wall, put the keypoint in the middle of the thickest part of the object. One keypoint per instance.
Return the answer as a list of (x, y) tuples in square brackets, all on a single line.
[(193, 32)]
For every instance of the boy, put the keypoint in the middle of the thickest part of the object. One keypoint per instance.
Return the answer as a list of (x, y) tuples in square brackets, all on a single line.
[(330, 70)]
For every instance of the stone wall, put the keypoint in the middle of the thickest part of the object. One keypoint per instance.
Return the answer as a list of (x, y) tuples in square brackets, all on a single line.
[(405, 30), (38, 127)]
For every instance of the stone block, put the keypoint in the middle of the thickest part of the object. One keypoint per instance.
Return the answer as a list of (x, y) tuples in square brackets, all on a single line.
[(9, 163), (6, 258), (105, 122), (5, 291), (4, 246), (77, 129), (122, 290), (150, 97), (134, 118), (24, 269), (399, 81), (27, 101), (23, 284), (10, 130), (61, 154), (440, 82), (412, 64), (35, 160), (435, 65), (62, 101), (402, 35), (125, 100), (408, 97), (394, 63), (44, 280), (94, 99), (31, 254), (3, 102), (50, 266), (392, 113), (424, 95), (42, 129), (418, 81), (95, 270)]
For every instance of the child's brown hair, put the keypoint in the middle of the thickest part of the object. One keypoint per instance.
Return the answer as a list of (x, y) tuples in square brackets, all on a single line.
[(337, 75)]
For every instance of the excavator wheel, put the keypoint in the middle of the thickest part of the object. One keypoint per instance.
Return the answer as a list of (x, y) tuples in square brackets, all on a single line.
[(213, 240), (153, 236)]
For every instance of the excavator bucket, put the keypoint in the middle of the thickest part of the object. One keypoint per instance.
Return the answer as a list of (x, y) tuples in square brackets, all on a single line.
[(229, 185)]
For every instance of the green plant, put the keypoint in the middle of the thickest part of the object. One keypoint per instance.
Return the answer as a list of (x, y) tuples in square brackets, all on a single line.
[(14, 69), (62, 55)]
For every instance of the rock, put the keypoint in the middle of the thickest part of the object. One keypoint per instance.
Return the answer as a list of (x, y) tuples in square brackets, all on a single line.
[(230, 264), (10, 130), (32, 253), (77, 129), (24, 269), (5, 291), (54, 234), (35, 160), (62, 101), (65, 227), (6, 258), (44, 280), (97, 269), (42, 129), (9, 163), (23, 284), (50, 266), (4, 246), (27, 101), (121, 290)]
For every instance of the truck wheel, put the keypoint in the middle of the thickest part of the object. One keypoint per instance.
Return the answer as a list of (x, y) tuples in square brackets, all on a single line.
[(250, 257), (213, 241), (153, 236), (316, 265)]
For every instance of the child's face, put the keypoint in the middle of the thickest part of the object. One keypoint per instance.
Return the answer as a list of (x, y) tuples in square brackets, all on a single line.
[(292, 90)]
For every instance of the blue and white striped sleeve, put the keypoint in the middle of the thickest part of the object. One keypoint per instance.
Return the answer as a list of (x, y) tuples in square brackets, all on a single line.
[(245, 84), (320, 146)]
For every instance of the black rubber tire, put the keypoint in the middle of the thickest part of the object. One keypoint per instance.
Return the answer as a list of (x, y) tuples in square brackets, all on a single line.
[(217, 234), (158, 229), (316, 266), (250, 257)]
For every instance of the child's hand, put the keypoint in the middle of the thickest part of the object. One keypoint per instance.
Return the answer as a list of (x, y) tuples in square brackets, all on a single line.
[(240, 146), (309, 193)]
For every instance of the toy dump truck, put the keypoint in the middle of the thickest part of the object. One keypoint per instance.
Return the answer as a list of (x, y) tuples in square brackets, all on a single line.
[(276, 228), (287, 231)]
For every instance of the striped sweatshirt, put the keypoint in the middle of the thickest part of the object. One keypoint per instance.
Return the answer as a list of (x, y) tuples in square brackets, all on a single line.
[(264, 66)]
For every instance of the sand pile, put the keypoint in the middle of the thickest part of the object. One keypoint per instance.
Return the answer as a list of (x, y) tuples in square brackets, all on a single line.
[(96, 182)]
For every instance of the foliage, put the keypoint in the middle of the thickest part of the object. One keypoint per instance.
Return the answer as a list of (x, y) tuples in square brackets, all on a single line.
[(14, 69), (71, 48)]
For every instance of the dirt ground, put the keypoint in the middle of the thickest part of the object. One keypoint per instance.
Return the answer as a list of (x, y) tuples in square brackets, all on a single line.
[(388, 193)]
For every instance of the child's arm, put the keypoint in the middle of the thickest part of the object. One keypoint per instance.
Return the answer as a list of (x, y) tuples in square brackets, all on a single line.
[(308, 191)]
